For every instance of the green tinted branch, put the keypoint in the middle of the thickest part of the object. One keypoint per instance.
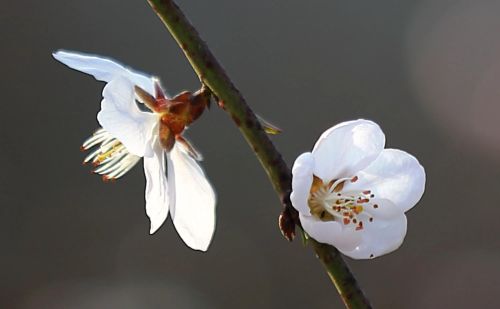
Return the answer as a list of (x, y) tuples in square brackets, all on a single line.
[(211, 74)]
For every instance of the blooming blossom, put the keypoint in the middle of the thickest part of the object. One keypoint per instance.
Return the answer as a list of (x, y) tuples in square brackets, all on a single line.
[(352, 193), (129, 133)]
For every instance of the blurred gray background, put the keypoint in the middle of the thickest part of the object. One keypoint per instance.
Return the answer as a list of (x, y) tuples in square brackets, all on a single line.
[(427, 71)]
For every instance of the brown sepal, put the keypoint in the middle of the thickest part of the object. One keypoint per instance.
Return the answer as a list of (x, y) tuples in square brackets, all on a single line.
[(159, 93), (184, 96), (193, 153), (167, 138), (199, 101), (150, 101)]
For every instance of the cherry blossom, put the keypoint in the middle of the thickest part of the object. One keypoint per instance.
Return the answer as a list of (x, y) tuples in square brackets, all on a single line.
[(151, 130), (352, 193)]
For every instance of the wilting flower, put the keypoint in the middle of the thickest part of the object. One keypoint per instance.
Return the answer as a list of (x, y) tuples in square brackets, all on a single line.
[(352, 193), (129, 132)]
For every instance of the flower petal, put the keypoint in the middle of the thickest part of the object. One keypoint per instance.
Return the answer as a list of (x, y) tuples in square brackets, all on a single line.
[(347, 148), (157, 197), (121, 117), (302, 179), (103, 69), (395, 175), (383, 209), (379, 237), (330, 232), (194, 210)]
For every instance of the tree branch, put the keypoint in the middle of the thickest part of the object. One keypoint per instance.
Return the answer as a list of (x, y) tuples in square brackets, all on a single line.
[(211, 74)]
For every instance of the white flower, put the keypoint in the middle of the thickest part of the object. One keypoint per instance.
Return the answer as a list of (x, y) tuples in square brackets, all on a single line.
[(128, 133), (352, 193)]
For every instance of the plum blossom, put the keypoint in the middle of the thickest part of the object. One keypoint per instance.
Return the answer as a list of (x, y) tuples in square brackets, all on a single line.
[(352, 193), (152, 131)]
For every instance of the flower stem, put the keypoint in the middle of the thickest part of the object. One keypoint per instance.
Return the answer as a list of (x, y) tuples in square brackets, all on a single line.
[(211, 74)]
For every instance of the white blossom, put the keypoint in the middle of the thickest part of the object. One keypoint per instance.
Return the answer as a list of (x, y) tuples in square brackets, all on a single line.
[(352, 193), (129, 133)]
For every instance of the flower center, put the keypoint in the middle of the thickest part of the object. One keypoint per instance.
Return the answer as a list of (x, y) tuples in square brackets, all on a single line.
[(111, 159), (330, 202), (175, 114)]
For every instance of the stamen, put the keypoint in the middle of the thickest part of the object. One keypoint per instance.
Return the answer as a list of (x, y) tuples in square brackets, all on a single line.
[(336, 183), (111, 164), (357, 209), (111, 157), (108, 153), (126, 165), (96, 138), (345, 206), (91, 156), (106, 178)]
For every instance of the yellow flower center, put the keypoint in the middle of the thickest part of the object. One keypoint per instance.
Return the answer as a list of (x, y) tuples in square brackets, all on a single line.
[(330, 202)]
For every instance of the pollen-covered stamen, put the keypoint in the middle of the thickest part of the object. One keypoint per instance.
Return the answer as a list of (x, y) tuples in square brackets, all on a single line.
[(330, 202), (111, 158)]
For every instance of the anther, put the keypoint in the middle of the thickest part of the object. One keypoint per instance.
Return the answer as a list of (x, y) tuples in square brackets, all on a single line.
[(357, 209), (360, 226), (108, 179)]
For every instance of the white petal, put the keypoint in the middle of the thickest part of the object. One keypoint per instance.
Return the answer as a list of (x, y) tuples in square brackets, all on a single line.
[(385, 209), (379, 237), (103, 69), (157, 195), (330, 232), (302, 179), (347, 148), (194, 210), (395, 175), (121, 117)]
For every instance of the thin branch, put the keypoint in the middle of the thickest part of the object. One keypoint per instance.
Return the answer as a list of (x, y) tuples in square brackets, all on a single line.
[(211, 74), (341, 276)]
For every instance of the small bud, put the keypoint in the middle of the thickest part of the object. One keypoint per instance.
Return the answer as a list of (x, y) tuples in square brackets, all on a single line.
[(286, 223)]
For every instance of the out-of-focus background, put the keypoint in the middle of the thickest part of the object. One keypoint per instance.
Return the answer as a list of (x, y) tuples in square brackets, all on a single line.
[(427, 71)]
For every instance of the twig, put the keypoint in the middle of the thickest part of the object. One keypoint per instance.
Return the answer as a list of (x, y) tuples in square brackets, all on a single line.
[(211, 74)]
